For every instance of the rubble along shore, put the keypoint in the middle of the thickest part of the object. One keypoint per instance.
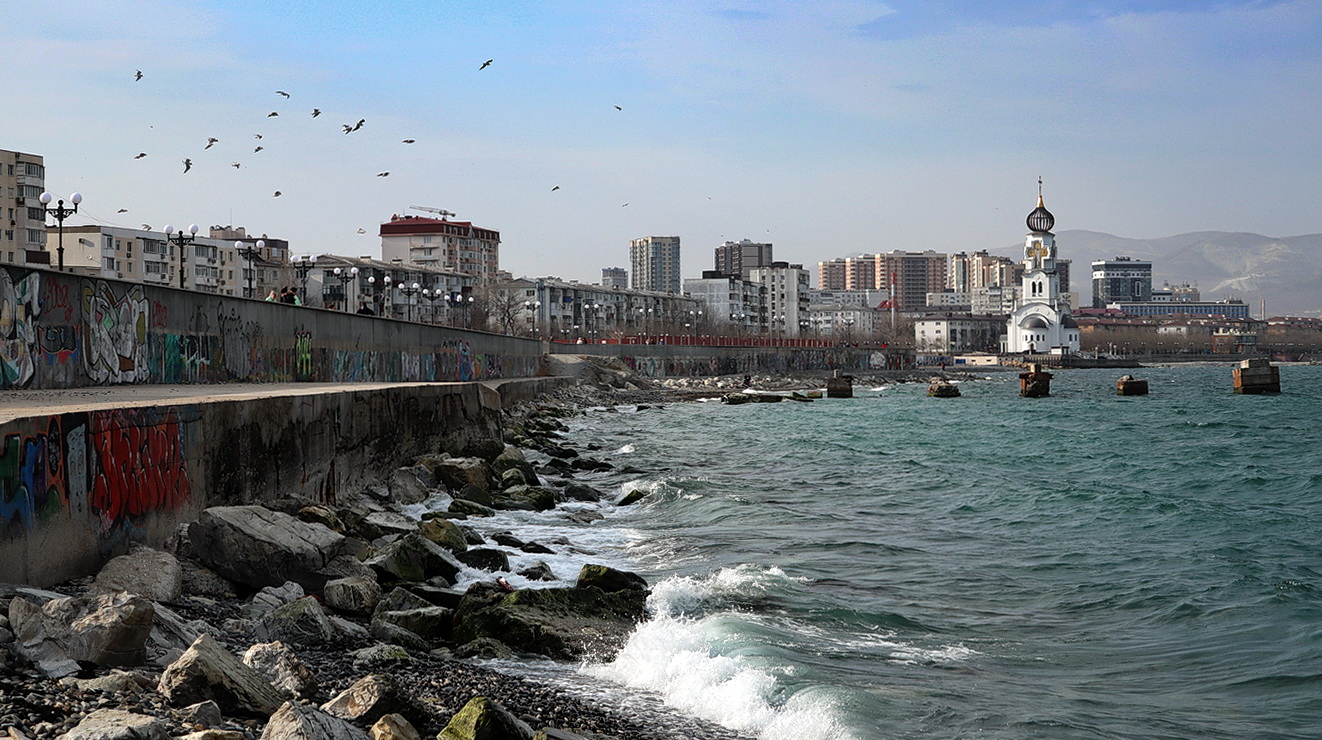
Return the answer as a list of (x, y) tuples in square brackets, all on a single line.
[(345, 618)]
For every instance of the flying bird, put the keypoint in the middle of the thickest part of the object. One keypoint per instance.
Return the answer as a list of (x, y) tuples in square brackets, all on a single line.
[(485, 64), (618, 108), (188, 165), (122, 210), (146, 227), (410, 141), (211, 141), (557, 187), (140, 155), (257, 136), (362, 231), (277, 194), (235, 165), (137, 75), (624, 205), (316, 112), (258, 149), (272, 114), (350, 129), (282, 92), (383, 174)]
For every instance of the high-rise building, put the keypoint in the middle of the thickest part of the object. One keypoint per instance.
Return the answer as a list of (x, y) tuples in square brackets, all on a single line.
[(23, 232), (458, 246), (654, 261), (739, 258), (785, 290), (831, 274), (1123, 279), (913, 275), (614, 277)]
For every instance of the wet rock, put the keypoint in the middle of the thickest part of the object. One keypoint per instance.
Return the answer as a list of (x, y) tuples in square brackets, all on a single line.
[(282, 668), (298, 722), (355, 595), (271, 598), (609, 579), (414, 558), (470, 508), (431, 623), (565, 623), (322, 515), (512, 459), (538, 571), (541, 498), (582, 492), (106, 630), (455, 473), (258, 547), (632, 497), (485, 719), (395, 635), (394, 727), (373, 697), (115, 724), (485, 558), (151, 574), (301, 622), (389, 522), (400, 599), (483, 647), (204, 713), (472, 493), (444, 533), (207, 671)]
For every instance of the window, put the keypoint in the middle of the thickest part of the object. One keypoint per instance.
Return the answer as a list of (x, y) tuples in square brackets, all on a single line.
[(33, 169)]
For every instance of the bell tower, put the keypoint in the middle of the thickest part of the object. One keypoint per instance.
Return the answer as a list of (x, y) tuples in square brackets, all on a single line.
[(1040, 323)]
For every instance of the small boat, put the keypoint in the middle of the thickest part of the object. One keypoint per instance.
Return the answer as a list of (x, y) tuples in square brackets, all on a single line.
[(1128, 385), (942, 388)]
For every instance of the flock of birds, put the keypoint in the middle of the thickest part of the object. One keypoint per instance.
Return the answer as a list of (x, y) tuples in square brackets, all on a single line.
[(348, 128)]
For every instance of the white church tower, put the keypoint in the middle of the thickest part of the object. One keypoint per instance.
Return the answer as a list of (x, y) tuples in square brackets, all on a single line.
[(1041, 323)]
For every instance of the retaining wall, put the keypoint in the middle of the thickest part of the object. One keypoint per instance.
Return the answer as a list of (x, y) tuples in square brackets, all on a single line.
[(664, 361), (59, 330)]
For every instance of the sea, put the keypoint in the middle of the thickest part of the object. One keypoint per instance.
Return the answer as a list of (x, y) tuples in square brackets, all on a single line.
[(897, 566)]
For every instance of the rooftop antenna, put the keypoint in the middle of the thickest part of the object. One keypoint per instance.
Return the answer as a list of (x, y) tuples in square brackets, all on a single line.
[(438, 211)]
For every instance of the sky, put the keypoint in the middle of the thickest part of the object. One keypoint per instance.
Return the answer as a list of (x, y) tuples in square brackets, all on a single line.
[(828, 128)]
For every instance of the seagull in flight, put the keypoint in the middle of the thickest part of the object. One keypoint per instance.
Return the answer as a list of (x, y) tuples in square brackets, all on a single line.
[(188, 165), (277, 194), (485, 64), (235, 165), (258, 149), (624, 205), (140, 155), (282, 92), (122, 210), (316, 112), (137, 75), (618, 108), (409, 141), (257, 136), (557, 187), (211, 141), (362, 231), (350, 129), (272, 114), (146, 227), (383, 174)]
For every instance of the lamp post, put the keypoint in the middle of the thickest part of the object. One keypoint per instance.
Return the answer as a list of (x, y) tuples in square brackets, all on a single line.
[(303, 267), (377, 291), (534, 309), (460, 301), (182, 242), (408, 291), (345, 277), (432, 297), (250, 254), (60, 213)]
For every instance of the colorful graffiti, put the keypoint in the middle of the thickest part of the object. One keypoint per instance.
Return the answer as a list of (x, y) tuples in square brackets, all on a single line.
[(303, 356), (139, 468), (115, 337), (42, 473), (19, 309)]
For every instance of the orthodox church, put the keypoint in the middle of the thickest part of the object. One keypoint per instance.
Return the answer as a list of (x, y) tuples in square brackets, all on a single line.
[(1041, 322)]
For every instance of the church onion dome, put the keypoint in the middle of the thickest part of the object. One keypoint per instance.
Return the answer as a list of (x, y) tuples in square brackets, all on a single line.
[(1034, 322), (1040, 219), (1069, 323)]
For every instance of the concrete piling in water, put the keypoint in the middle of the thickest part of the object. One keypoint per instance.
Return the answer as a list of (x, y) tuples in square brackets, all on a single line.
[(1036, 383), (1257, 375), (1128, 385), (840, 386)]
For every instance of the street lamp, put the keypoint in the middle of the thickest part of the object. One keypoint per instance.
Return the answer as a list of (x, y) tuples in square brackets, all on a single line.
[(432, 297), (60, 213), (303, 267), (250, 254), (181, 241), (408, 291), (459, 300), (345, 277), (534, 309), (376, 294)]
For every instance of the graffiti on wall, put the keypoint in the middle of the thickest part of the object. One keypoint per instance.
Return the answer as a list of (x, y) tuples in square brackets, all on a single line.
[(38, 482), (115, 332), (19, 308)]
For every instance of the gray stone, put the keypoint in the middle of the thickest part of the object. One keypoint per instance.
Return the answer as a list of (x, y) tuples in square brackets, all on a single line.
[(394, 727), (470, 508), (395, 635), (406, 488), (208, 671), (272, 597), (106, 630), (215, 735), (512, 458), (472, 493), (115, 724), (116, 681), (610, 579), (431, 623), (457, 472), (538, 571), (400, 599), (283, 669), (444, 533), (632, 497), (582, 492), (483, 647), (564, 623), (373, 697), (414, 558), (355, 595), (322, 515), (515, 477), (200, 580), (151, 574), (485, 719), (298, 722), (379, 653), (389, 522), (205, 713), (485, 558), (259, 547), (301, 622), (171, 635)]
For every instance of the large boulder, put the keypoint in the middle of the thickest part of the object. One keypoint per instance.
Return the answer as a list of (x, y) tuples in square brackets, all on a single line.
[(373, 697), (207, 671), (564, 623), (473, 493), (512, 458), (259, 547), (151, 574), (394, 727), (485, 719), (107, 630), (444, 533), (414, 558), (485, 558), (609, 579), (457, 472), (171, 635), (354, 595), (282, 668), (470, 508), (431, 623), (540, 497), (380, 523), (299, 722), (116, 724), (301, 622), (271, 598), (582, 492), (406, 487)]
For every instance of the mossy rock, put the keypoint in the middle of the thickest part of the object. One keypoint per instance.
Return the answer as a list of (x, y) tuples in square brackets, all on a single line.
[(632, 497), (485, 719), (470, 508), (609, 579), (444, 533)]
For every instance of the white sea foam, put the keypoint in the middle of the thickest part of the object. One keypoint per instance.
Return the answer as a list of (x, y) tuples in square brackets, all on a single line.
[(626, 450)]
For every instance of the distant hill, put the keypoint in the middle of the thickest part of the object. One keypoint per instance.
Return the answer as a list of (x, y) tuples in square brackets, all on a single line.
[(1285, 271)]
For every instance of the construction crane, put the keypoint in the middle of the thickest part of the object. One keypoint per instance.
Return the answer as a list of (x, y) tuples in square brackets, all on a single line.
[(438, 211)]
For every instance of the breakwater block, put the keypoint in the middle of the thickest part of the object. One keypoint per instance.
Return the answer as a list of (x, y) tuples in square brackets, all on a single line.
[(840, 386), (1128, 385), (1036, 383), (1257, 375)]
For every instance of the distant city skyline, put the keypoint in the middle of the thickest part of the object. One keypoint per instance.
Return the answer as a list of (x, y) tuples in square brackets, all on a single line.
[(826, 128)]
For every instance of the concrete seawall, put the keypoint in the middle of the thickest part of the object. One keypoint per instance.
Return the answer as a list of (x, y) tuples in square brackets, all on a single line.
[(82, 477)]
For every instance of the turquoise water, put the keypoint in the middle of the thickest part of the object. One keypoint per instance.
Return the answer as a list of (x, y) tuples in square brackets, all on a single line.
[(894, 566)]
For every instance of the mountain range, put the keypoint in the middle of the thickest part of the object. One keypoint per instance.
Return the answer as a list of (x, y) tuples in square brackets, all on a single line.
[(1286, 272)]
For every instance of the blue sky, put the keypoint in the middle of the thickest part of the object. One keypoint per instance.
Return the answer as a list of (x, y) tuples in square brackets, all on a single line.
[(828, 128)]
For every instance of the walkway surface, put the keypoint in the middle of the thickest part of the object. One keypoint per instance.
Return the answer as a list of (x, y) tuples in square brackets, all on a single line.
[(18, 404)]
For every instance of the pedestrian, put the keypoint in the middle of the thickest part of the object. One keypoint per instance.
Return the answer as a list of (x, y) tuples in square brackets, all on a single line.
[(287, 295), (272, 296), (364, 310)]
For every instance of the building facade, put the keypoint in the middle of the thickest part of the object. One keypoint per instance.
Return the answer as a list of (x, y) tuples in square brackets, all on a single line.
[(1041, 322), (732, 304), (784, 288), (23, 233), (441, 244), (952, 332), (614, 277), (739, 258), (568, 311), (1123, 279), (910, 276), (654, 261)]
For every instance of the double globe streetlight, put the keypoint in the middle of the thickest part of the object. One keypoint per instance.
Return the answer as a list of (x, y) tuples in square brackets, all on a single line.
[(250, 254), (60, 212), (181, 242), (345, 277), (408, 291)]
